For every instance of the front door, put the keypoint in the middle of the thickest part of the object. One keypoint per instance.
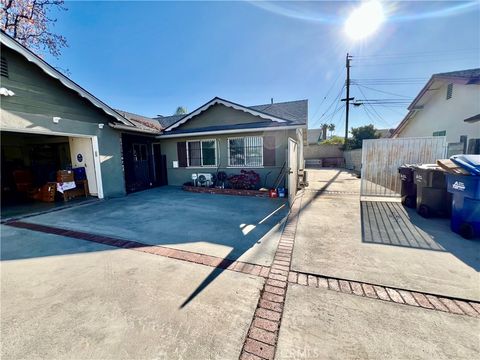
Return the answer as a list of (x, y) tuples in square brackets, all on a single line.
[(141, 165)]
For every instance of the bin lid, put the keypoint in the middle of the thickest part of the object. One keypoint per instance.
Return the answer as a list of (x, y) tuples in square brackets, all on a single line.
[(471, 163)]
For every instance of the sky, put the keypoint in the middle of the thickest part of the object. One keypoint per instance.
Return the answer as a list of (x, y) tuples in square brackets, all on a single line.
[(151, 57)]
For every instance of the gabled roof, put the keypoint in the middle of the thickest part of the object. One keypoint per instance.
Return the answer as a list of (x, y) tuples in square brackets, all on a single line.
[(295, 111), (253, 111), (470, 75), (142, 122), (11, 43), (462, 77), (166, 121)]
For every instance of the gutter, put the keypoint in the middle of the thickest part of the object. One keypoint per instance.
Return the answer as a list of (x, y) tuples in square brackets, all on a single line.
[(131, 128), (235, 131)]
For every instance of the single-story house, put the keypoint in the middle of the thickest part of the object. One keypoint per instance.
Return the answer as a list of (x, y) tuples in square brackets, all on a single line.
[(447, 106), (225, 136), (50, 123)]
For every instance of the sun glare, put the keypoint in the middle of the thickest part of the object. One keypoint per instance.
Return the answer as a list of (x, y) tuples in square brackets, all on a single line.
[(365, 20)]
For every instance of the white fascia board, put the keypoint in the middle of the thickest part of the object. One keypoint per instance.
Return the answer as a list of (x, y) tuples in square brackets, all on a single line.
[(236, 131), (227, 104), (49, 70)]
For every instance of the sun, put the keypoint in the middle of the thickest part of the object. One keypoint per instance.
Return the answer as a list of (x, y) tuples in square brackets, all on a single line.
[(365, 20)]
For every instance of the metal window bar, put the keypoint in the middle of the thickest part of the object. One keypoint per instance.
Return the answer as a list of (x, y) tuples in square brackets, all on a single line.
[(245, 151)]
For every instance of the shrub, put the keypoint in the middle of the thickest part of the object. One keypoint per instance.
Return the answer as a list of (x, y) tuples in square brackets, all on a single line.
[(247, 179)]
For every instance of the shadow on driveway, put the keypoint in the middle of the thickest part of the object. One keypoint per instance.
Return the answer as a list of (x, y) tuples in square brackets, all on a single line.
[(390, 223), (217, 225)]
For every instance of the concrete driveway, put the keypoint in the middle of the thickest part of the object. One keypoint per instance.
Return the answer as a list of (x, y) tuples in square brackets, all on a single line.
[(92, 301), (63, 297), (380, 242), (72, 295), (375, 243), (234, 227)]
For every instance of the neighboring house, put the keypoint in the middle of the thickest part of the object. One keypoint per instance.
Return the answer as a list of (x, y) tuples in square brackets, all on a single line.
[(225, 136), (48, 123), (385, 133), (314, 136), (447, 106)]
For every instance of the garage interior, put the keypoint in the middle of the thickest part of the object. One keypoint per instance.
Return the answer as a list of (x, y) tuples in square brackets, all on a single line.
[(33, 169)]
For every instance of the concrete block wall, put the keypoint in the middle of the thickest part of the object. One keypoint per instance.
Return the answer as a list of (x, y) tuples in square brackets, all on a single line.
[(353, 159)]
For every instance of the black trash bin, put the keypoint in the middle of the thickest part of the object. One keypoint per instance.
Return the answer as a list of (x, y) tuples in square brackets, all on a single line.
[(408, 190), (432, 196)]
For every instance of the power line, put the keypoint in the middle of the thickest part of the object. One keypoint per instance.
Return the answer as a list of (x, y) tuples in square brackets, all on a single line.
[(330, 106), (418, 54), (381, 91), (328, 93)]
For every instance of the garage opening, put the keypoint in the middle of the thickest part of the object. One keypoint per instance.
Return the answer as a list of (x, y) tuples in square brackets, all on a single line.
[(43, 172)]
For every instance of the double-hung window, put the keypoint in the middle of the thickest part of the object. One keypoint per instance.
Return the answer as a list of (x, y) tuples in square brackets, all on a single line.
[(202, 153), (245, 151)]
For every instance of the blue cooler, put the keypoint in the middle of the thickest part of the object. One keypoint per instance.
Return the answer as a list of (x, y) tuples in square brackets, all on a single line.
[(465, 204)]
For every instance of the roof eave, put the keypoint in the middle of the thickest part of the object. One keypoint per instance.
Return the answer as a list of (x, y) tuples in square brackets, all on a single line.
[(217, 100), (231, 131), (51, 71)]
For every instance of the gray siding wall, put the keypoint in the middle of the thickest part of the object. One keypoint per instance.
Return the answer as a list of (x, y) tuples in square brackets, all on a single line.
[(178, 176), (38, 98)]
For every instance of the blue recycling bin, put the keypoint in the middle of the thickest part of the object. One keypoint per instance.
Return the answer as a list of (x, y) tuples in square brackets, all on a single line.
[(465, 204)]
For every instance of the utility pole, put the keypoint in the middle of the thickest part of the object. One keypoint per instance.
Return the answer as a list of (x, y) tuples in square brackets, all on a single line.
[(348, 98)]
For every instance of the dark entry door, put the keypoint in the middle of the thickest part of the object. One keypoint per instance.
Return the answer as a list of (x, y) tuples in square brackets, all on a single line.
[(138, 162), (141, 165), (160, 162)]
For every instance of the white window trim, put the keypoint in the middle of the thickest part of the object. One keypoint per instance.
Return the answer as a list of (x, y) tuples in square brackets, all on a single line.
[(244, 153), (201, 154)]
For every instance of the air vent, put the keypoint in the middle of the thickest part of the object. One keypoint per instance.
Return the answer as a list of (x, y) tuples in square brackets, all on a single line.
[(4, 67), (449, 91)]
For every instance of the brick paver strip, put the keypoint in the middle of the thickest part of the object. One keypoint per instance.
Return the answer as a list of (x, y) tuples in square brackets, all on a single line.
[(202, 259), (262, 336), (380, 292)]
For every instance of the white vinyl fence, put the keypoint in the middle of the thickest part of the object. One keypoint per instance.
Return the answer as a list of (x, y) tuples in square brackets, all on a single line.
[(381, 159)]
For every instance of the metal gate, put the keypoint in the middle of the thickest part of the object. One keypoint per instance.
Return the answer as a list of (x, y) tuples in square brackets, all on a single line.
[(382, 157), (292, 157)]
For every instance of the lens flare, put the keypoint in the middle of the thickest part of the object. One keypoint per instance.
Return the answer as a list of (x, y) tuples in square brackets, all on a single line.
[(365, 20)]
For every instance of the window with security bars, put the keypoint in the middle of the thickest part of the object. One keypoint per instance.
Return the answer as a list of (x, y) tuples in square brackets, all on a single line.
[(245, 151), (202, 153)]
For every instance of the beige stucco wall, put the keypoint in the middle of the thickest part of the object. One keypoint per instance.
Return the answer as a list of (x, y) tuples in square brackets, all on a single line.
[(318, 151), (441, 114)]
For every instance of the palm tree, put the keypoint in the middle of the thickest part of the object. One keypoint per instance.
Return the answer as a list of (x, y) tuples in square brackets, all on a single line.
[(181, 111), (324, 128), (331, 128)]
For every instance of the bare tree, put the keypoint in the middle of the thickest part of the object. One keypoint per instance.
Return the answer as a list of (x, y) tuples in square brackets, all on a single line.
[(28, 22)]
